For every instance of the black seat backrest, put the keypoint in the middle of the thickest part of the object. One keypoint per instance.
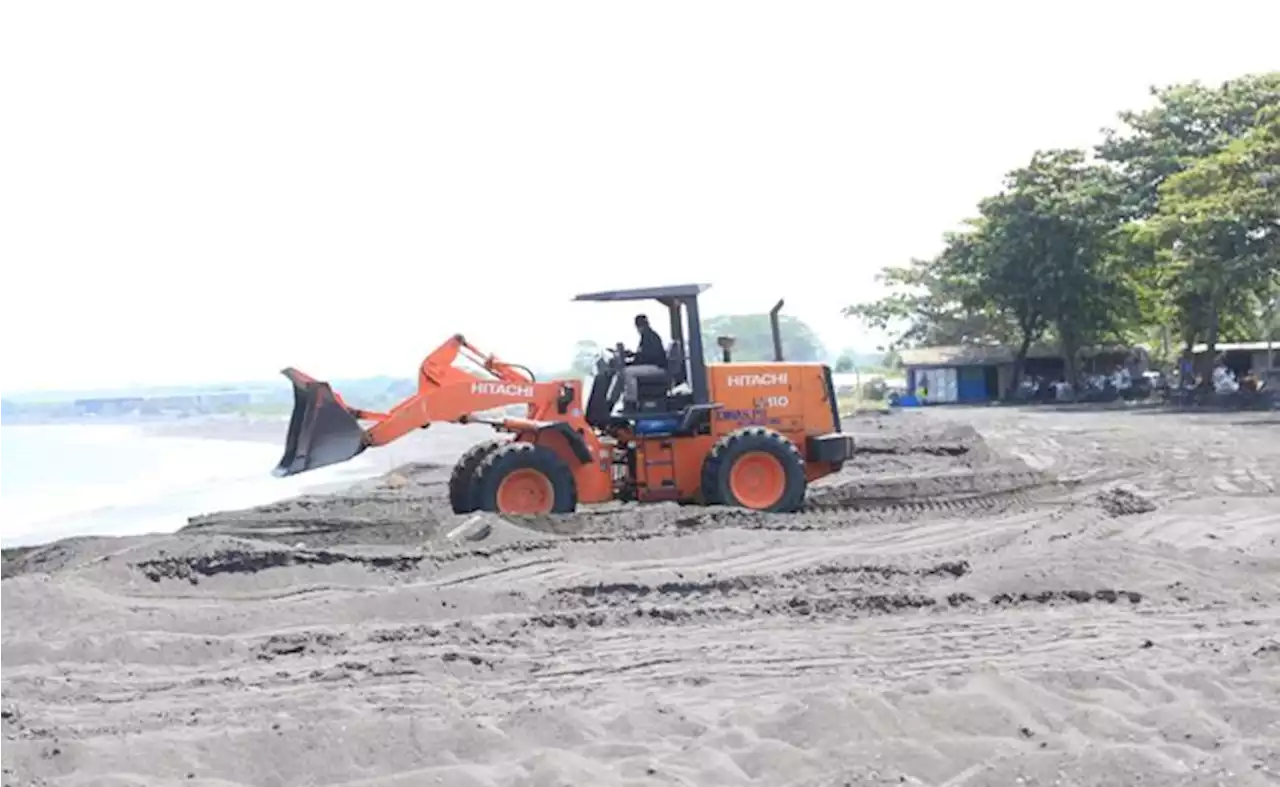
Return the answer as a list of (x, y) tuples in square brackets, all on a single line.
[(675, 364), (599, 409)]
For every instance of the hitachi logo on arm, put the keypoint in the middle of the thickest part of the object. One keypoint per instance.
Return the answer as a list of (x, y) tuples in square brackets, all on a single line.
[(757, 380), (502, 389)]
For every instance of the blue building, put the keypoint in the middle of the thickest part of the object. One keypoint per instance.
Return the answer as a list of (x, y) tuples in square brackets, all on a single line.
[(983, 373)]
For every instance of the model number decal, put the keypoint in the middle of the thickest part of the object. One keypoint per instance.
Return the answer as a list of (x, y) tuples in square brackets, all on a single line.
[(773, 401)]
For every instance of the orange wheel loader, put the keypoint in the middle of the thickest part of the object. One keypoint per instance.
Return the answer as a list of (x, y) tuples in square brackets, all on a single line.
[(741, 434)]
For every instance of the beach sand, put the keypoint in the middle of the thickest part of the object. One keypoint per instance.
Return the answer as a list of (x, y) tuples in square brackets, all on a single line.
[(989, 596)]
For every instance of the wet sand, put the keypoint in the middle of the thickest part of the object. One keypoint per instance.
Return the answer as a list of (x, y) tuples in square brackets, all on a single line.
[(990, 596)]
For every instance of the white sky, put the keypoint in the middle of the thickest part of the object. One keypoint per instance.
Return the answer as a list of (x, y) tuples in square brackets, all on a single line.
[(200, 191)]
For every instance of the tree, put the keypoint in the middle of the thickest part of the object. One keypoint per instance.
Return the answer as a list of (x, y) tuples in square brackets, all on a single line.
[(979, 290), (1038, 257), (1175, 224), (754, 338), (1188, 122), (929, 305), (1189, 126), (585, 353), (1218, 222), (1001, 262), (844, 364), (1060, 213)]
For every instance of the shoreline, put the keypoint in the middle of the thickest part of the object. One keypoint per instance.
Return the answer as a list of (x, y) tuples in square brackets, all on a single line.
[(163, 509), (437, 446)]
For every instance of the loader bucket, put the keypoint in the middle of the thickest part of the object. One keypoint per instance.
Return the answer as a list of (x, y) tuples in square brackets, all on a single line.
[(321, 430)]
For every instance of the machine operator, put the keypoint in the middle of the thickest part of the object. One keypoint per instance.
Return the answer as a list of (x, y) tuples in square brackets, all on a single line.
[(649, 357), (650, 351)]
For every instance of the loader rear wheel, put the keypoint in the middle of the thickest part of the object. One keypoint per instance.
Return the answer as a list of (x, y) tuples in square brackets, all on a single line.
[(462, 486), (754, 468), (523, 478)]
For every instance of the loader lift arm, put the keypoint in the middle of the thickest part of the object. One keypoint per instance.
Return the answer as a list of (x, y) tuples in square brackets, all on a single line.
[(325, 430)]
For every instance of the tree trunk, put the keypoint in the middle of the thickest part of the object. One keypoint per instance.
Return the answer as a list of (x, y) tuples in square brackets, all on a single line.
[(1073, 374), (1210, 346), (1070, 360), (1019, 365)]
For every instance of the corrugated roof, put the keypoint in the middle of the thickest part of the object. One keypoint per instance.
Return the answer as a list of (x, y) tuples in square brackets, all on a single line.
[(988, 355), (958, 355), (1227, 347)]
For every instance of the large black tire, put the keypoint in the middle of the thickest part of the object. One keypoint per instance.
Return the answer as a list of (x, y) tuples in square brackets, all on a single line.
[(508, 459), (462, 479), (718, 469)]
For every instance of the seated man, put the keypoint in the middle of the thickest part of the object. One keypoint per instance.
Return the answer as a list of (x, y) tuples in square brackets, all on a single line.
[(649, 358), (650, 352)]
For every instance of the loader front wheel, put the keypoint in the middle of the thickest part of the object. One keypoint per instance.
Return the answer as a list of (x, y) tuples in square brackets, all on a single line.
[(462, 481), (523, 478), (755, 468)]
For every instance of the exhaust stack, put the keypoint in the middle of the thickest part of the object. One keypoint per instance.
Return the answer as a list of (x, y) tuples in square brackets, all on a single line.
[(777, 330)]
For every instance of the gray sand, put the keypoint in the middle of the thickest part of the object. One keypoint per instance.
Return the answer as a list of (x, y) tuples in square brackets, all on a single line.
[(984, 597)]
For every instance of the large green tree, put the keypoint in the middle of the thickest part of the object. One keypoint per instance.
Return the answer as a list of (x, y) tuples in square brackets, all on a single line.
[(1038, 257), (1186, 123), (1218, 224), (1194, 283), (753, 338), (933, 302), (1058, 217), (1175, 224)]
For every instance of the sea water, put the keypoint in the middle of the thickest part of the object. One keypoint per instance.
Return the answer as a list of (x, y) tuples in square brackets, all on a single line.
[(64, 480)]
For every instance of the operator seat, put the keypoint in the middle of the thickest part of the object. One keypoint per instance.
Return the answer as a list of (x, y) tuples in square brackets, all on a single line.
[(675, 365), (599, 409), (654, 389)]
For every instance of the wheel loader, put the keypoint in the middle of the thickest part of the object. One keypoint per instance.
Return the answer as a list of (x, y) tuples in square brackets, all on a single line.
[(750, 434)]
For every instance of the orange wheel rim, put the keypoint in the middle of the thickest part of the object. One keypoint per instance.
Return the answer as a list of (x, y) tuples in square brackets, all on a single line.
[(757, 479), (525, 491)]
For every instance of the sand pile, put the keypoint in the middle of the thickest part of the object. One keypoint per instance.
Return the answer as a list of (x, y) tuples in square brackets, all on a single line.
[(982, 597)]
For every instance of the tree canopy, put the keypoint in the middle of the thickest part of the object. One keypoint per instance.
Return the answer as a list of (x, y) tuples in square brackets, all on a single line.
[(1173, 224)]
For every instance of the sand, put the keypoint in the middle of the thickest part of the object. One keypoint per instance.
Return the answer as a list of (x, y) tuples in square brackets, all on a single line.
[(984, 597)]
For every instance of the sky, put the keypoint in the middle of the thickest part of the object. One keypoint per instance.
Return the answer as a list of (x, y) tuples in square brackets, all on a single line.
[(195, 192)]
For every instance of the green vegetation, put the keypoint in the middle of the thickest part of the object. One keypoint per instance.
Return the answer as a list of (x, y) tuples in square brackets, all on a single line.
[(1171, 227), (753, 338)]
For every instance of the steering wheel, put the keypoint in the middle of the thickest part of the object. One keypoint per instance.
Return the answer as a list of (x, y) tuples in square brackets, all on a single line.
[(610, 362)]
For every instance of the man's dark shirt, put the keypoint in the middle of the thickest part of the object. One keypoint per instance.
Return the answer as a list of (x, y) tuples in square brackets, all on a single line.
[(650, 352)]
